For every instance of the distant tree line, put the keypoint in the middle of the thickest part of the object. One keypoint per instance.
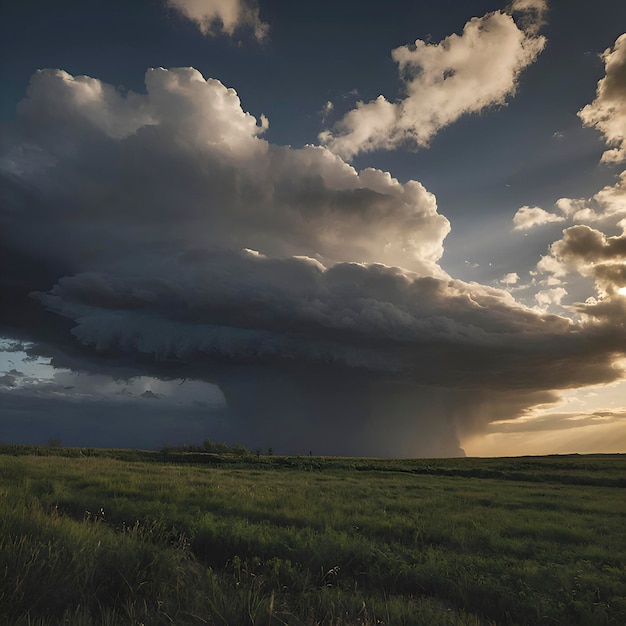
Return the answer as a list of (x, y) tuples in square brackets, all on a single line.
[(213, 447)]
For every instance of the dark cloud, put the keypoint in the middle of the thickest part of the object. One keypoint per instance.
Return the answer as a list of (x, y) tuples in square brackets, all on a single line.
[(589, 252), (8, 380), (31, 419), (582, 244), (150, 395), (244, 308), (159, 235)]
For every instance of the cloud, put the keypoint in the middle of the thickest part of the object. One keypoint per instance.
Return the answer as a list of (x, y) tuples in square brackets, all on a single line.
[(558, 421), (583, 247), (235, 307), (588, 249), (529, 217), (511, 278), (192, 149), (460, 75), (64, 385), (608, 111), (31, 419), (150, 395), (212, 16), (8, 380), (531, 14), (352, 350), (596, 435), (160, 235), (549, 297), (326, 109), (589, 252), (553, 432), (608, 205)]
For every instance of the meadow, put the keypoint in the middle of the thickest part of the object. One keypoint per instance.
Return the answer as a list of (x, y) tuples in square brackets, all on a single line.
[(128, 537)]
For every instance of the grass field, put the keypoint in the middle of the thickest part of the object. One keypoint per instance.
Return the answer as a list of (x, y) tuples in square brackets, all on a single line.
[(129, 537)]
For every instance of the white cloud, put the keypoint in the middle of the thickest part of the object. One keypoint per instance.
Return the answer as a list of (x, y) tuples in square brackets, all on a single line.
[(548, 264), (550, 296), (54, 96), (201, 167), (608, 205), (539, 7), (371, 126), (203, 112), (326, 109), (611, 199), (528, 217), (462, 74), (608, 111), (570, 206), (512, 278), (212, 16)]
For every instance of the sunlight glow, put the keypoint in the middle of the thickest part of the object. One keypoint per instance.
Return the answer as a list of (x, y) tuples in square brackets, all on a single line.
[(622, 291)]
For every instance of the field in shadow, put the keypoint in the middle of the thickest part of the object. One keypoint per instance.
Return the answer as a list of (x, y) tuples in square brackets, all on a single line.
[(170, 537)]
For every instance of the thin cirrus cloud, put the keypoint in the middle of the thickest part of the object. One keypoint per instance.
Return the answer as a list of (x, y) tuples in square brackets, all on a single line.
[(462, 74), (214, 16)]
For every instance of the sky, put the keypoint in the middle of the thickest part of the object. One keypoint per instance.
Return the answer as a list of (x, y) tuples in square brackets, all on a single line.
[(355, 228)]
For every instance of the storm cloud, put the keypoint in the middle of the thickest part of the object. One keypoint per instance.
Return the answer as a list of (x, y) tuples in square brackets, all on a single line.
[(160, 234)]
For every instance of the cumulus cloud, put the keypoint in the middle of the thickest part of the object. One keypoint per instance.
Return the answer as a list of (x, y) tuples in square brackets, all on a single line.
[(202, 170), (529, 217), (588, 249), (588, 252), (512, 278), (584, 247), (160, 235), (549, 297), (608, 205), (212, 16), (462, 74), (608, 111)]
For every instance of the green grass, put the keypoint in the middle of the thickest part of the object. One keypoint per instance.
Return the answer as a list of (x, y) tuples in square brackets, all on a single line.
[(129, 537)]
